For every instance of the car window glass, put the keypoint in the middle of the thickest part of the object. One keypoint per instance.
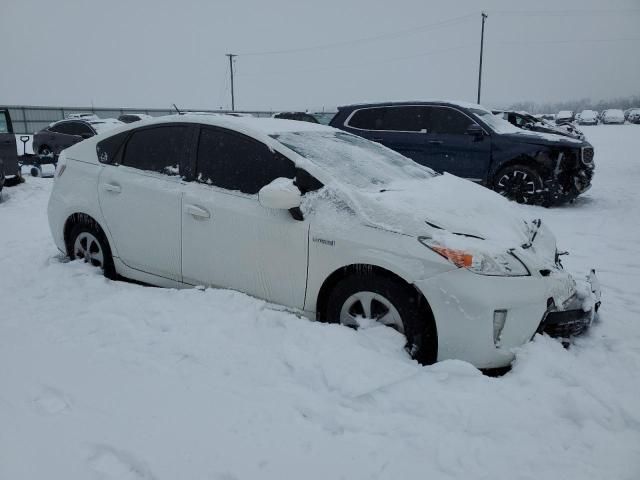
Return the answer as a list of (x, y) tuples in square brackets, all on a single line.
[(236, 162), (61, 128), (400, 119), (109, 150), (158, 149), (4, 127), (367, 118), (82, 128), (447, 121), (404, 119)]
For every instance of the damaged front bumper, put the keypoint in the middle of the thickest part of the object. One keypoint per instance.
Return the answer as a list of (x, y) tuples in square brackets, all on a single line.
[(576, 314)]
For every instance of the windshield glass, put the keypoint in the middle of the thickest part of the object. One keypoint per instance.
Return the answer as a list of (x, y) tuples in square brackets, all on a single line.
[(497, 124), (354, 160)]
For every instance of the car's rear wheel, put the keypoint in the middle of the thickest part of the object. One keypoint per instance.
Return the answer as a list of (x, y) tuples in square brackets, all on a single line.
[(45, 151), (362, 300), (520, 183), (87, 242)]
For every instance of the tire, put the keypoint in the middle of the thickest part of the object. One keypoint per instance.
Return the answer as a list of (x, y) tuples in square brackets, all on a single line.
[(13, 181), (87, 241), (36, 172), (45, 150), (390, 302), (520, 183)]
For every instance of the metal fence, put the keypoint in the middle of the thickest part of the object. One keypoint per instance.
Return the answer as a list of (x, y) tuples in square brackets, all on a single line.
[(28, 119)]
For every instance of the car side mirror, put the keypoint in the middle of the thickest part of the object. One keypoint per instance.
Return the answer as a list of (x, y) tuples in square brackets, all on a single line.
[(475, 131), (280, 194)]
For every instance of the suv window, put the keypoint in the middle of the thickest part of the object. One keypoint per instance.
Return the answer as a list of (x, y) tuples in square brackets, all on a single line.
[(81, 128), (400, 119), (447, 121), (235, 162), (158, 149)]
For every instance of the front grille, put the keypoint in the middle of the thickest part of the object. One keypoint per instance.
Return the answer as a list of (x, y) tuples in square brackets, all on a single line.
[(587, 155), (566, 324)]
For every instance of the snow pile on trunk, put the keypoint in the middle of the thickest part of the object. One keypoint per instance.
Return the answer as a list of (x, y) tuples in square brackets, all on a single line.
[(110, 380)]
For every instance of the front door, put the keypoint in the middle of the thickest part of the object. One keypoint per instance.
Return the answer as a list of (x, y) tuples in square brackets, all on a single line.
[(231, 241), (450, 149), (141, 199)]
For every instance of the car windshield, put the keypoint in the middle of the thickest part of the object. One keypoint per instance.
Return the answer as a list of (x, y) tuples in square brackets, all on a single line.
[(496, 123), (354, 160)]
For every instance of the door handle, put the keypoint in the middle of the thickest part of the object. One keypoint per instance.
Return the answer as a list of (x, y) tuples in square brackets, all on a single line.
[(196, 211), (110, 187), (434, 142)]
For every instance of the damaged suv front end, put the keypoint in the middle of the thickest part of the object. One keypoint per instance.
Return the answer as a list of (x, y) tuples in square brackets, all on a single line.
[(565, 165)]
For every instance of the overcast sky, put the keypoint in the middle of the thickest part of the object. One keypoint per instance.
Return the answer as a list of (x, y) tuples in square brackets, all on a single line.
[(151, 53)]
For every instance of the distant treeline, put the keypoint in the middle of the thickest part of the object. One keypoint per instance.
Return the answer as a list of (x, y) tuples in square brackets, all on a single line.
[(578, 105)]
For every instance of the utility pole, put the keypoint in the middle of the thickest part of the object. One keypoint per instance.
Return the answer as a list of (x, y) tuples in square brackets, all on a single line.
[(484, 17), (233, 100)]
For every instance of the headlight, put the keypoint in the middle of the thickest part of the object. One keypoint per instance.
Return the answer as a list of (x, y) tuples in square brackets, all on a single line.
[(504, 264)]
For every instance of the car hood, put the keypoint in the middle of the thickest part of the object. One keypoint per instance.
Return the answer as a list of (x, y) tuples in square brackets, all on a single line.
[(455, 212), (544, 138)]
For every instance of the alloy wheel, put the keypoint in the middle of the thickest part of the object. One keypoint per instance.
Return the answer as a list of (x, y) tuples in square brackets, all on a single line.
[(517, 185), (364, 308), (88, 248)]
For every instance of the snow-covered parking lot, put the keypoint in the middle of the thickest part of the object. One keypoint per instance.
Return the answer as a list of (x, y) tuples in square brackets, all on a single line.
[(112, 380)]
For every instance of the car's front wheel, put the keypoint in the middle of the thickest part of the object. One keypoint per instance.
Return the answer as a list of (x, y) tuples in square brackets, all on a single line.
[(88, 243), (362, 300), (520, 183)]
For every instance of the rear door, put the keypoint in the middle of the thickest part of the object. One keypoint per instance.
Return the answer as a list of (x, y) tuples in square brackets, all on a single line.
[(8, 147), (141, 198), (451, 149), (229, 239), (401, 128)]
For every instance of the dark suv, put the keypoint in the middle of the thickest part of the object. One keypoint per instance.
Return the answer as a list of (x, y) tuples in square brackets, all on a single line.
[(469, 141)]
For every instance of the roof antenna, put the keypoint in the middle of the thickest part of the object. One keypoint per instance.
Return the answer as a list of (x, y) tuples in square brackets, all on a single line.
[(177, 109)]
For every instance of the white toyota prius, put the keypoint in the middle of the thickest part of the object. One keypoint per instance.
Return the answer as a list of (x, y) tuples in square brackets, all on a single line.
[(323, 222)]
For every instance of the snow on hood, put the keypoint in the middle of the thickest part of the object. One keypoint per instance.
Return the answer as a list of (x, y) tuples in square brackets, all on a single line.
[(448, 207)]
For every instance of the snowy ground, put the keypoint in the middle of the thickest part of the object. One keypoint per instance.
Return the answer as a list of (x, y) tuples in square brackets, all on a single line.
[(111, 380)]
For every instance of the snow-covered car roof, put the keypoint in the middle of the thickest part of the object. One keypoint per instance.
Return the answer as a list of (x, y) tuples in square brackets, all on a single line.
[(457, 103), (105, 124)]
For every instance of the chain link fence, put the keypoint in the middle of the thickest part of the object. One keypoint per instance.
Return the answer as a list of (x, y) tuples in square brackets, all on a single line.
[(31, 119)]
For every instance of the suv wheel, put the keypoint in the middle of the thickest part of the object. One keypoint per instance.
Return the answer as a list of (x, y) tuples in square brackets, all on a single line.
[(520, 183), (88, 242), (361, 300)]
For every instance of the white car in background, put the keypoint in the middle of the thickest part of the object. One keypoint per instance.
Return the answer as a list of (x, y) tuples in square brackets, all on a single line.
[(326, 223), (588, 117), (613, 116)]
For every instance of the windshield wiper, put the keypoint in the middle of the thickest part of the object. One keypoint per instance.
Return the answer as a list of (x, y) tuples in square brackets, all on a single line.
[(536, 223), (455, 233)]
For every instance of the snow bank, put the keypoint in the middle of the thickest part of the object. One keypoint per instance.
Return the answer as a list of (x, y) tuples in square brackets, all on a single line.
[(111, 380)]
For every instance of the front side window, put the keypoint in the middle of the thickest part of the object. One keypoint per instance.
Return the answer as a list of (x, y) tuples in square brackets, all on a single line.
[(79, 128), (158, 149), (447, 121), (235, 162)]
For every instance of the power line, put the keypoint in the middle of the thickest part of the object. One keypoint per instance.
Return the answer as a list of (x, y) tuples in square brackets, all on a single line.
[(383, 36), (564, 13), (358, 65), (586, 40)]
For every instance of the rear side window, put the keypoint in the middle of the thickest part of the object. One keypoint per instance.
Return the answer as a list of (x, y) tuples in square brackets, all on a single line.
[(158, 149), (235, 162), (110, 149), (397, 119), (447, 121)]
